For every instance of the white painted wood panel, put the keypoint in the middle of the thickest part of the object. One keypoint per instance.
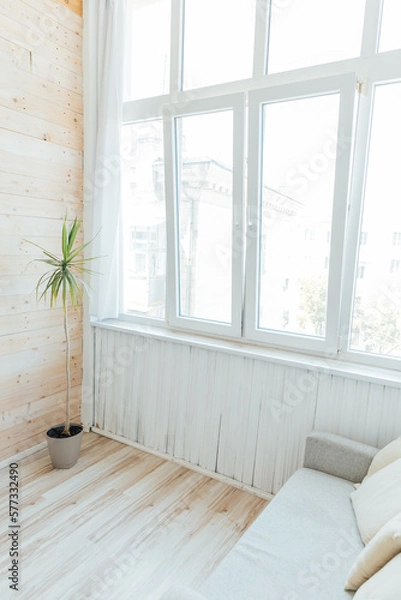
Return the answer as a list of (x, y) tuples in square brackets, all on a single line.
[(242, 417)]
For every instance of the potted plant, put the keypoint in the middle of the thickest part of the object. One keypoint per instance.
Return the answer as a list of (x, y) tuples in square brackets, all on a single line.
[(64, 282)]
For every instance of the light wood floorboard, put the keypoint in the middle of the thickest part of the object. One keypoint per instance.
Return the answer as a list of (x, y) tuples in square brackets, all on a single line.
[(121, 524)]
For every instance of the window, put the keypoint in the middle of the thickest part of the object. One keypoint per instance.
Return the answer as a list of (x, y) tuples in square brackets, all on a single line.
[(144, 220), (150, 37), (390, 35), (301, 98), (205, 206), (291, 132), (217, 48), (377, 316), (311, 32)]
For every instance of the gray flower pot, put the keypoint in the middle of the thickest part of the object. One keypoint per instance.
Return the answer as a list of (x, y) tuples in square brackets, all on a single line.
[(64, 452)]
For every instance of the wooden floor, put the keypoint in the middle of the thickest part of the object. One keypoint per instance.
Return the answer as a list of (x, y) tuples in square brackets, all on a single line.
[(121, 524)]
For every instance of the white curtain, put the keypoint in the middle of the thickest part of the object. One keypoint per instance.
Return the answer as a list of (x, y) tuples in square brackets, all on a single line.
[(105, 23)]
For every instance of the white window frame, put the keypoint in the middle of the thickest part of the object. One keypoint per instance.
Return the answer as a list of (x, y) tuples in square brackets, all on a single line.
[(345, 87), (376, 75), (235, 103), (367, 69)]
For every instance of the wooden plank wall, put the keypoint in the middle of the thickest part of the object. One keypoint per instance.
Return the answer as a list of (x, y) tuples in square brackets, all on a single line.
[(41, 143)]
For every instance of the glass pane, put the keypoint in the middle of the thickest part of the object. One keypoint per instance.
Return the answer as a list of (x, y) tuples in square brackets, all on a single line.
[(205, 204), (144, 219), (299, 157), (390, 36), (376, 326), (312, 32), (218, 41), (148, 62)]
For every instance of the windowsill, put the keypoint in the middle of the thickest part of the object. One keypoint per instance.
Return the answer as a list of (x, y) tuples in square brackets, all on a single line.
[(329, 366)]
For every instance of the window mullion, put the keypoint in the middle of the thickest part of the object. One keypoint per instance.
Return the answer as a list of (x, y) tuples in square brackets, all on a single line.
[(171, 218), (252, 218), (355, 214), (177, 39), (238, 241), (371, 27), (261, 37), (339, 218)]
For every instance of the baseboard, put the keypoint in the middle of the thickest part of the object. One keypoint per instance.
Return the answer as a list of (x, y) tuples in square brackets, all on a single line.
[(17, 457), (184, 463)]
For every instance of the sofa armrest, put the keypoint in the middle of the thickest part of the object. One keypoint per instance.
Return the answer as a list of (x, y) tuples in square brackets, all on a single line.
[(338, 456)]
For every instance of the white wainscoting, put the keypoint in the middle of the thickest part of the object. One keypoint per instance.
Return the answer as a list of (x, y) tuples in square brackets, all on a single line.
[(240, 416)]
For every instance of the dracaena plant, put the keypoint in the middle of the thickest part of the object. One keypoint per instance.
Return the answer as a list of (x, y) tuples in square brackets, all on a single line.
[(65, 281)]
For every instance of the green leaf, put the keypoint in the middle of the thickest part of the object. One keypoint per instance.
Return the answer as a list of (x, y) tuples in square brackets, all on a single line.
[(73, 233), (64, 238)]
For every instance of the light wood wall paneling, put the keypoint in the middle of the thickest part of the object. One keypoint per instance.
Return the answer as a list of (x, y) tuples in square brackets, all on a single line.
[(31, 187), (34, 320), (53, 72), (38, 227), (15, 343), (41, 131), (40, 25), (25, 207), (60, 12), (40, 43), (75, 5), (23, 362), (30, 432), (48, 380), (42, 88), (39, 168), (14, 55), (38, 408), (23, 100), (30, 147), (242, 417)]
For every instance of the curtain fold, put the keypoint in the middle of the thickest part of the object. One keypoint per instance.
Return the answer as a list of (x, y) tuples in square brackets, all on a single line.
[(104, 84)]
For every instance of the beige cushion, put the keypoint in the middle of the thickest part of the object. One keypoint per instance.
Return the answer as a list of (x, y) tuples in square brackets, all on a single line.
[(381, 548), (378, 500), (385, 456), (383, 585)]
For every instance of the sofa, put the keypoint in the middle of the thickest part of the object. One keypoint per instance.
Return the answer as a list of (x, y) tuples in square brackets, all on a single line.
[(303, 544)]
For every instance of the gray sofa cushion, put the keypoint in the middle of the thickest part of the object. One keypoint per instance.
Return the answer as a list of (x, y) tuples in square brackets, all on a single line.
[(338, 456), (300, 548)]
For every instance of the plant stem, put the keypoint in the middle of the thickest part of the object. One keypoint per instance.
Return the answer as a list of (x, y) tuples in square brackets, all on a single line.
[(68, 372)]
